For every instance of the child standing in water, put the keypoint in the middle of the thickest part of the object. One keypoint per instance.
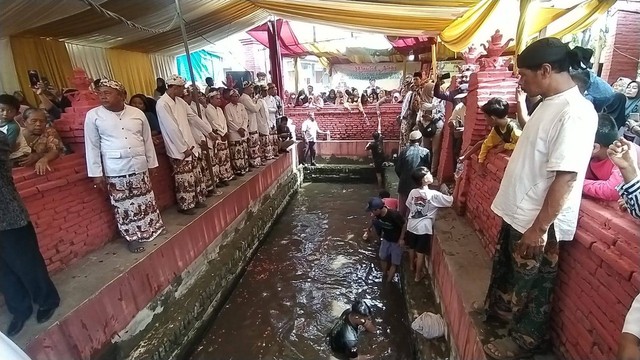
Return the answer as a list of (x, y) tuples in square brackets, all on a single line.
[(423, 203), (377, 153)]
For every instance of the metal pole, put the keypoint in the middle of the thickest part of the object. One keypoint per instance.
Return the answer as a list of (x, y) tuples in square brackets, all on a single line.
[(194, 95)]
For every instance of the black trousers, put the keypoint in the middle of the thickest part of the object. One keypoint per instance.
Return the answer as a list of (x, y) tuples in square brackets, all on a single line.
[(309, 149), (23, 274)]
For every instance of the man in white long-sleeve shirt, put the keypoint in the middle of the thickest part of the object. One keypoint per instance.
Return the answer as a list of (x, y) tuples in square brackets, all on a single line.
[(252, 108), (218, 121), (175, 115), (203, 134), (266, 144), (276, 111), (237, 123), (120, 154)]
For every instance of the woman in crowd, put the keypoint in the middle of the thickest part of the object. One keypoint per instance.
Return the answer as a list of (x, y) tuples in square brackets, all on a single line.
[(628, 125), (44, 141), (161, 88), (302, 98), (140, 101), (291, 99), (331, 97), (317, 102)]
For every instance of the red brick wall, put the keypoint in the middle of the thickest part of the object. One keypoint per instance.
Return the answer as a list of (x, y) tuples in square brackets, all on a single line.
[(70, 216), (623, 36), (599, 274), (344, 125)]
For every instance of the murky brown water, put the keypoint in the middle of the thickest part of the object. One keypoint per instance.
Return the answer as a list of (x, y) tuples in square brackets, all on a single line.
[(310, 268)]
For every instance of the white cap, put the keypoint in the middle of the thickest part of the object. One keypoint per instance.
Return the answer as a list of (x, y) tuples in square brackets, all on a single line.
[(415, 135), (176, 80)]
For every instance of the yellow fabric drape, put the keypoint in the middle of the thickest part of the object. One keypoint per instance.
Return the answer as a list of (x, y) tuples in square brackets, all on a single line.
[(460, 33), (583, 16), (49, 57), (521, 31), (134, 70), (430, 17)]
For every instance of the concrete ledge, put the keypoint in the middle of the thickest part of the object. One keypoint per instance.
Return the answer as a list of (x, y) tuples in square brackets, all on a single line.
[(103, 292), (332, 173), (462, 270)]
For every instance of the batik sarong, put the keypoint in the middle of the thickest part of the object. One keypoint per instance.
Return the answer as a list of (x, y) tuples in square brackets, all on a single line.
[(189, 184), (223, 160), (275, 145), (204, 169), (521, 288), (135, 206), (239, 156), (266, 150), (254, 149)]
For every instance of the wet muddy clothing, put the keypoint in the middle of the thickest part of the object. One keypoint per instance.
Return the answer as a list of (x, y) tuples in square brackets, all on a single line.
[(343, 337), (391, 224)]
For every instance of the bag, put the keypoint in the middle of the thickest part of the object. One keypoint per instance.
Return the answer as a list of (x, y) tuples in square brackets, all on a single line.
[(430, 325), (429, 130)]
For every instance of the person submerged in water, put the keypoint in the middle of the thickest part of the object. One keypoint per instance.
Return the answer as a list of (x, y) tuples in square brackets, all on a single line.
[(343, 337)]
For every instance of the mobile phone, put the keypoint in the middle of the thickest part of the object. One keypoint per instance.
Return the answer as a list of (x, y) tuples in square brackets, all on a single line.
[(34, 78), (445, 76)]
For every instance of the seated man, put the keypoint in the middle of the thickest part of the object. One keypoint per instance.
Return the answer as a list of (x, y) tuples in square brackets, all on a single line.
[(44, 141), (284, 133), (343, 337), (602, 175)]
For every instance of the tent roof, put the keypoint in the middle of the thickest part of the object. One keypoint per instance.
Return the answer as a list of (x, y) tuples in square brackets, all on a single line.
[(211, 20)]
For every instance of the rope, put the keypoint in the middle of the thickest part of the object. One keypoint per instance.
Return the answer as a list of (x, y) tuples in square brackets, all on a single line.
[(625, 55), (130, 24)]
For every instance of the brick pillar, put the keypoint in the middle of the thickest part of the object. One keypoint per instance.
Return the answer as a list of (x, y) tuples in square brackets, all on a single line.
[(623, 39), (252, 58)]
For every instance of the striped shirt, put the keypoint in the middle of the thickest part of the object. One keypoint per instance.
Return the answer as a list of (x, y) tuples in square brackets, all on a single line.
[(630, 193)]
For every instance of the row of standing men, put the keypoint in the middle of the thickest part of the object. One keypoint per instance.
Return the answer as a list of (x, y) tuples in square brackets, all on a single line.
[(205, 151)]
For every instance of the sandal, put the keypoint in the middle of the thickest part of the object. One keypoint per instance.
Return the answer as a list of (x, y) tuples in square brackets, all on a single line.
[(506, 349), (136, 247)]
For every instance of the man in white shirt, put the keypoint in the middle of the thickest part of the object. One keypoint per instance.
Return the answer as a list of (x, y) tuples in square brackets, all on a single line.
[(176, 119), (539, 197), (120, 154), (266, 143), (310, 132), (204, 136), (276, 111), (237, 123), (252, 108), (216, 118)]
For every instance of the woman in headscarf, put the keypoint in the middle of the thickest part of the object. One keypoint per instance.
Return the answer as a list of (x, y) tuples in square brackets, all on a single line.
[(140, 101), (631, 129), (302, 98), (161, 88), (331, 97)]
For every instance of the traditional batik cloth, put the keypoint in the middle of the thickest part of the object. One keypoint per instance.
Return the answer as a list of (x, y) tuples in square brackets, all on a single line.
[(254, 149), (529, 303), (223, 159), (266, 150), (201, 179), (189, 185), (275, 140), (238, 154), (204, 170), (135, 206)]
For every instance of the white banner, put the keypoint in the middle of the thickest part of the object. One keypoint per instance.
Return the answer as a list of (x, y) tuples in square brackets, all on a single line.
[(388, 76)]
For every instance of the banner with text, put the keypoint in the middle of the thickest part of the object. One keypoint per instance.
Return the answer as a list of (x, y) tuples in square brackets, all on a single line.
[(388, 76)]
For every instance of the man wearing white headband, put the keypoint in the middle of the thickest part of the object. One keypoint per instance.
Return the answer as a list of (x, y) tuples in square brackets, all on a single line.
[(216, 118), (175, 117), (120, 155), (237, 122), (276, 111), (253, 109)]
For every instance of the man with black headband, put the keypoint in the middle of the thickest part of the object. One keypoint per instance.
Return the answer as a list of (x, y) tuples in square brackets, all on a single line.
[(539, 198)]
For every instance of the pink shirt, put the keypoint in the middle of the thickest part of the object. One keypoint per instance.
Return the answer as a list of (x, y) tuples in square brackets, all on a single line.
[(391, 203), (601, 179)]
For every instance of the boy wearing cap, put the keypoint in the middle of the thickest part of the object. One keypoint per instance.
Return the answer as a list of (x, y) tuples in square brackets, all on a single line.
[(410, 158), (391, 224)]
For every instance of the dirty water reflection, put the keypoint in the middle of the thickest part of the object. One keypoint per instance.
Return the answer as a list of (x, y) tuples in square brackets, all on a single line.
[(310, 268)]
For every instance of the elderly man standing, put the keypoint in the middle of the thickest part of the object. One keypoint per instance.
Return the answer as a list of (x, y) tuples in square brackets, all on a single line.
[(410, 158), (216, 118), (174, 115), (539, 198), (266, 145), (237, 123), (120, 154), (253, 108)]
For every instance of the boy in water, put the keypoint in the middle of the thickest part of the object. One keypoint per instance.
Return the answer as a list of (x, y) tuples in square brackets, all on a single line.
[(504, 131), (391, 203), (343, 337), (423, 203), (377, 153), (391, 239)]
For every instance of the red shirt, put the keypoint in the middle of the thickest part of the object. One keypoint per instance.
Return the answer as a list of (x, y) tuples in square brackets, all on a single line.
[(391, 203)]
